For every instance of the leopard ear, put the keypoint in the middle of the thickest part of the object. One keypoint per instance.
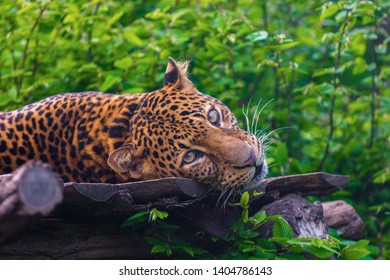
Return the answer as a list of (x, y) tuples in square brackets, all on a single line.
[(121, 159), (176, 74)]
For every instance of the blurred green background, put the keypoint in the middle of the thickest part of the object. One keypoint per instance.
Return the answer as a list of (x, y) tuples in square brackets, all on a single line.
[(324, 68)]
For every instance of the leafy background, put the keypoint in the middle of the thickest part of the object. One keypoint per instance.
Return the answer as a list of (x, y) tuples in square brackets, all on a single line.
[(322, 67)]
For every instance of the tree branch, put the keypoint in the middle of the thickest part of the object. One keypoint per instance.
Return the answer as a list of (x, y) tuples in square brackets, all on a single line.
[(25, 51), (333, 100), (374, 89), (89, 52)]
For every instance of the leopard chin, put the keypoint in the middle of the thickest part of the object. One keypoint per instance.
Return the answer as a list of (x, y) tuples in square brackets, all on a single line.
[(256, 183)]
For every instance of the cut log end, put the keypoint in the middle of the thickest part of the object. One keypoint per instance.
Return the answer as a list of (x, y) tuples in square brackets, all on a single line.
[(39, 190), (33, 190), (343, 217)]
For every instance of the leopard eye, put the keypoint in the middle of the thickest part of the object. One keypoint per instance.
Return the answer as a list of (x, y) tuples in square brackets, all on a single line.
[(191, 156), (214, 117)]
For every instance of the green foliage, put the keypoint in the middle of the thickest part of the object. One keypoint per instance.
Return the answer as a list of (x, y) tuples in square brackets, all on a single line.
[(325, 65), (245, 243), (243, 240), (159, 234)]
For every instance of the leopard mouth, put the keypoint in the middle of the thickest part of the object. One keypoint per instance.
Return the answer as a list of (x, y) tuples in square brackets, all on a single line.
[(258, 170), (259, 174)]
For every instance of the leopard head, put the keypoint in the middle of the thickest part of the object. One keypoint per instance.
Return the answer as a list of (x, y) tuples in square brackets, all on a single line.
[(178, 131)]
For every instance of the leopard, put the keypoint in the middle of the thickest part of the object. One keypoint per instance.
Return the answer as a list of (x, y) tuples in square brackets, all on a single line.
[(175, 131)]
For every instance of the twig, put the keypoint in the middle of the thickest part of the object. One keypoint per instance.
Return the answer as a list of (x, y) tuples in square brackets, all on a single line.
[(333, 100), (288, 95), (89, 51), (374, 89), (25, 51), (265, 16), (259, 74), (234, 74), (379, 235), (36, 61), (276, 91), (289, 119), (15, 68)]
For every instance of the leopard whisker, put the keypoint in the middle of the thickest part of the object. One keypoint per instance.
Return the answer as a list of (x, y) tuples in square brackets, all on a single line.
[(276, 129), (247, 113), (260, 133), (224, 190), (272, 165), (246, 118), (261, 110), (254, 121), (232, 190)]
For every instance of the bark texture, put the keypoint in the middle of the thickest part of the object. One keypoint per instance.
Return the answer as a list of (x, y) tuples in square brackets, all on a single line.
[(86, 224)]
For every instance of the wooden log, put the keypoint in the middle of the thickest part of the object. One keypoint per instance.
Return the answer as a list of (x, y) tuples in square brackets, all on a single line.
[(30, 193), (61, 239), (185, 197), (64, 239), (114, 199), (210, 219), (306, 219), (88, 211), (136, 196), (318, 183), (142, 191), (94, 200), (343, 217), (103, 239)]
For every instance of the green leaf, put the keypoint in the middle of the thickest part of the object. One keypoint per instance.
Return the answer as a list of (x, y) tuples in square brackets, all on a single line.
[(5, 99), (153, 241), (281, 154), (282, 229), (298, 241), (244, 201), (88, 67), (249, 234), (329, 10), (356, 251), (160, 249), (382, 176), (317, 242), (70, 18), (132, 38), (110, 82), (257, 194), (188, 250), (27, 8), (191, 250), (280, 240), (322, 72), (321, 253), (326, 88), (136, 218), (283, 46), (257, 36), (154, 214), (360, 66), (371, 67), (124, 63), (113, 19), (258, 217), (295, 166), (156, 14), (340, 17)]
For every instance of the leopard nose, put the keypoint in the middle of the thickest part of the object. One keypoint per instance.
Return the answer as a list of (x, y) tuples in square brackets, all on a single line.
[(251, 161)]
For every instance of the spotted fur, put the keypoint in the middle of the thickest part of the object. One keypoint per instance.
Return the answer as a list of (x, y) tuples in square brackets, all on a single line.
[(97, 137)]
